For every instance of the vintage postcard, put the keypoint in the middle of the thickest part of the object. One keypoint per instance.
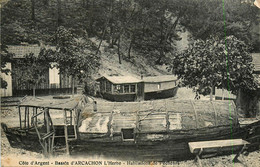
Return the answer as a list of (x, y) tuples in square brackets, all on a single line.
[(130, 83)]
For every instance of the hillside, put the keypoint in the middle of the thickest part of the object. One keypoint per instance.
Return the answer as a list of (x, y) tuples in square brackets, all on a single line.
[(135, 66)]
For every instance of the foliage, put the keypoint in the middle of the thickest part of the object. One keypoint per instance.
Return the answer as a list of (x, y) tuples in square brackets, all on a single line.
[(147, 26), (5, 57), (211, 17), (75, 56), (216, 62)]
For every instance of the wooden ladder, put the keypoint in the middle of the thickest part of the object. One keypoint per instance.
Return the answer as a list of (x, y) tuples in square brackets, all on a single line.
[(46, 140)]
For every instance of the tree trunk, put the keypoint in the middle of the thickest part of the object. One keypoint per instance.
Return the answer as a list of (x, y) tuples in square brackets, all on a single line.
[(238, 99), (211, 93), (103, 35), (118, 50), (130, 47), (34, 87), (222, 94), (46, 2), (59, 13), (33, 10), (73, 85)]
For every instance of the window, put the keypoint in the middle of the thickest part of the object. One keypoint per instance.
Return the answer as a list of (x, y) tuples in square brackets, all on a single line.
[(127, 134), (118, 88), (132, 88), (121, 89), (126, 88)]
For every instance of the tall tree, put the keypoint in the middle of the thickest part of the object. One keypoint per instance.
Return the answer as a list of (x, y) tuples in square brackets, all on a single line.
[(75, 56), (216, 62)]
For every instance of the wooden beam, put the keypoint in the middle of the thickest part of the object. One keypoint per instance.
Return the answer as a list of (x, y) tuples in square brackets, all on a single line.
[(20, 118)]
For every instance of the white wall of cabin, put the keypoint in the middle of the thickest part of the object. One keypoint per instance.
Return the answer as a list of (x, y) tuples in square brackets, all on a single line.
[(151, 87), (8, 78)]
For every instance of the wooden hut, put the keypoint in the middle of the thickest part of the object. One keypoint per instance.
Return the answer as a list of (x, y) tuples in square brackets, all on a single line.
[(128, 88), (54, 83), (120, 88)]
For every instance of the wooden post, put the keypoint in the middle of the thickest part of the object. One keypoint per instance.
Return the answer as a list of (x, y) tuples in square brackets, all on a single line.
[(167, 117), (137, 126), (32, 115), (44, 117), (66, 132), (45, 151), (36, 117), (70, 117), (48, 145), (20, 118), (25, 116), (211, 93), (28, 118)]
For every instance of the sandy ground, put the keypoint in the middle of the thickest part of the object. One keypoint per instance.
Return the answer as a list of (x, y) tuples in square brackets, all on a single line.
[(15, 157)]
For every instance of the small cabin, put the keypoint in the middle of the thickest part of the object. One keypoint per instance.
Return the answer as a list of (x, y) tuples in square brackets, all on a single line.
[(119, 88), (128, 88)]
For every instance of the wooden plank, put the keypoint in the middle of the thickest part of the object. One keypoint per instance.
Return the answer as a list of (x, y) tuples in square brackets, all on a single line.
[(195, 146)]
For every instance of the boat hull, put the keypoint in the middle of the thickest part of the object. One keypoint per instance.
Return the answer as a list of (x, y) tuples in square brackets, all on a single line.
[(164, 146)]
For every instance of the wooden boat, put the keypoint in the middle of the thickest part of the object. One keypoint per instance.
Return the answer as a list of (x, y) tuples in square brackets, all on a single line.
[(146, 131)]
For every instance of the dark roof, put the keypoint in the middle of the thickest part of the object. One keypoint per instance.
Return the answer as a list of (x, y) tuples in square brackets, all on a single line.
[(161, 78), (20, 51), (256, 61), (121, 79)]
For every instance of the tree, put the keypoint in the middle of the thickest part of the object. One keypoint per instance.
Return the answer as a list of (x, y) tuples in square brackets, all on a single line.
[(30, 70), (75, 56), (206, 17), (216, 63), (5, 57)]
